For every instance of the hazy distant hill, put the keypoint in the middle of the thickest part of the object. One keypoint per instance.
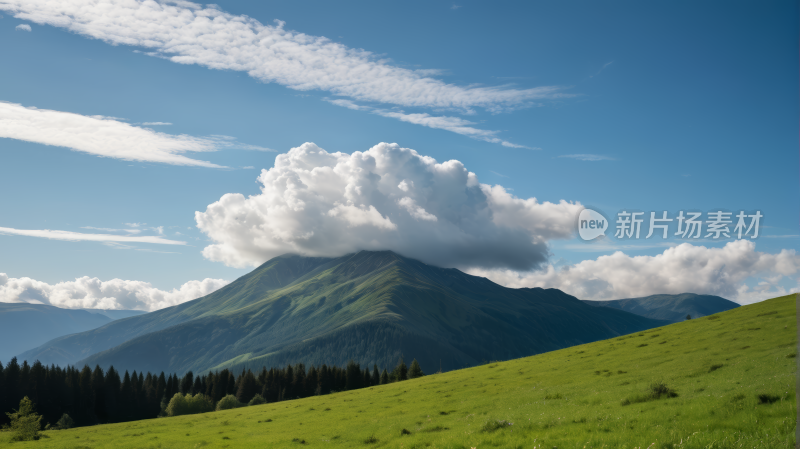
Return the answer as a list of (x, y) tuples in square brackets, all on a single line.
[(24, 326), (116, 314), (670, 307), (369, 306)]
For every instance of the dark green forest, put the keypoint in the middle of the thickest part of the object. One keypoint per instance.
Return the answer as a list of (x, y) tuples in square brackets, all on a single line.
[(94, 396)]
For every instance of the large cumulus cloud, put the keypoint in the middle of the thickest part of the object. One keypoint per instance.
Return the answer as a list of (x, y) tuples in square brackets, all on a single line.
[(725, 272), (328, 204), (92, 293)]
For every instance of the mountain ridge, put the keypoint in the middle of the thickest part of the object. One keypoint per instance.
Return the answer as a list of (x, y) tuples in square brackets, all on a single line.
[(368, 306), (672, 308)]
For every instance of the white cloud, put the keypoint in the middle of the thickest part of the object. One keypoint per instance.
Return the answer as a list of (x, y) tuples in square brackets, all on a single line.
[(683, 268), (588, 157), (78, 236), (92, 293), (452, 124), (130, 231), (189, 33), (23, 27), (156, 124), (329, 204), (108, 137)]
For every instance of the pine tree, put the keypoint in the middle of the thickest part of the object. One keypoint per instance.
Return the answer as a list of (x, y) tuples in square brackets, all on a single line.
[(187, 382), (384, 377), (99, 394), (112, 394), (161, 386), (400, 371), (231, 389), (2, 394), (197, 388), (11, 385), (354, 376), (415, 370), (376, 376), (25, 423), (247, 388), (366, 378), (126, 397)]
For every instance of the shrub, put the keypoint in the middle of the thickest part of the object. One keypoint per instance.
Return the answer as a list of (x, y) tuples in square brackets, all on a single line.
[(25, 422), (405, 432), (660, 389), (257, 400), (491, 426), (229, 402), (371, 440), (65, 422), (766, 398), (189, 405), (177, 405), (199, 403), (657, 390)]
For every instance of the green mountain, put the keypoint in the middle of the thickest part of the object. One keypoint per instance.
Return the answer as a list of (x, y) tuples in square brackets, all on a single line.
[(370, 306), (672, 308)]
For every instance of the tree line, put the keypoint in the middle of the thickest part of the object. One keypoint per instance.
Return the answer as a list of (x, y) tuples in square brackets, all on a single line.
[(94, 396)]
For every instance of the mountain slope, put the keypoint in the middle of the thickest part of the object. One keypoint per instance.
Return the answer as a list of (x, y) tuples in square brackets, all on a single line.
[(670, 307), (369, 306), (273, 274), (116, 314), (24, 326), (733, 373)]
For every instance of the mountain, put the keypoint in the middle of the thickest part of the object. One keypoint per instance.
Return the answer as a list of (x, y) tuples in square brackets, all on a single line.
[(370, 306), (670, 307), (24, 326), (116, 314)]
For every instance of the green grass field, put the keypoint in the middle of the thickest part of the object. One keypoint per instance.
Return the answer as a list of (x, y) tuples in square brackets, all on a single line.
[(734, 375)]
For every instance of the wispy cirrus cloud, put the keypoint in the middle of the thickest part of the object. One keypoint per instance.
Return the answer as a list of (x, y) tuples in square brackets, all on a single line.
[(108, 137), (130, 231), (189, 33), (452, 124), (156, 124), (78, 236)]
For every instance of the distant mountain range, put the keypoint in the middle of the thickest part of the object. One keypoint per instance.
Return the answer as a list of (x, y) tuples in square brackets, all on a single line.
[(24, 326), (670, 307), (370, 306)]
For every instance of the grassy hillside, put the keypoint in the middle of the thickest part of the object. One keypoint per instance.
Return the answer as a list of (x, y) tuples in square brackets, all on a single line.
[(371, 307), (670, 307), (733, 374)]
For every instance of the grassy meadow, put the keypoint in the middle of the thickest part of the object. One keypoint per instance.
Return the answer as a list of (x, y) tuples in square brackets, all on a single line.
[(724, 381)]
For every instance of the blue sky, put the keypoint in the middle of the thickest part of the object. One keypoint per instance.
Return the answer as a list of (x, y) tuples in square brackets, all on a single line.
[(686, 106)]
